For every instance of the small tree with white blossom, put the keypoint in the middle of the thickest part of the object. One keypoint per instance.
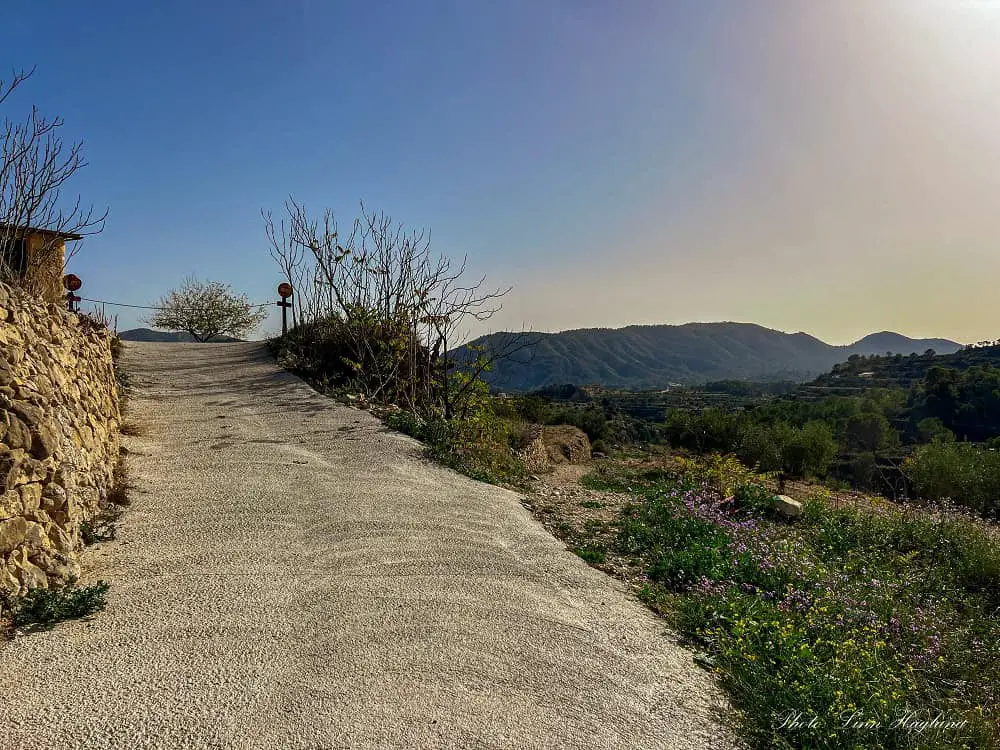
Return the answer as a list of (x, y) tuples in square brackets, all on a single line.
[(206, 309)]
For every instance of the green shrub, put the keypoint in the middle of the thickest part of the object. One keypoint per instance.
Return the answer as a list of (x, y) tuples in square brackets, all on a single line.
[(754, 497), (960, 472), (809, 450), (480, 445), (45, 607), (103, 526), (591, 554), (761, 446)]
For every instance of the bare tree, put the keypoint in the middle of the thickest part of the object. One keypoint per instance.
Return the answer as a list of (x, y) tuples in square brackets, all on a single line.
[(398, 307), (35, 165), (206, 309)]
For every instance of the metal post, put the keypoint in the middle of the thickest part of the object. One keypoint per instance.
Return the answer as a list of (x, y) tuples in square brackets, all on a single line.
[(284, 305), (285, 292), (72, 283)]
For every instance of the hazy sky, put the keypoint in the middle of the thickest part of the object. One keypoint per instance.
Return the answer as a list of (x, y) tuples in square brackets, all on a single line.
[(830, 166)]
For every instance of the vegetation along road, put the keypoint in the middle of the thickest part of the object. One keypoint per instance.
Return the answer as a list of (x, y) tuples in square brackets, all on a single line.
[(290, 574)]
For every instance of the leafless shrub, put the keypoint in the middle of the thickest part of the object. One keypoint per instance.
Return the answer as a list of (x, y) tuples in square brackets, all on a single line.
[(394, 309)]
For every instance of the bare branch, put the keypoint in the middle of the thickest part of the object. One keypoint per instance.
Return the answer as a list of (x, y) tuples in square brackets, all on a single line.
[(35, 166)]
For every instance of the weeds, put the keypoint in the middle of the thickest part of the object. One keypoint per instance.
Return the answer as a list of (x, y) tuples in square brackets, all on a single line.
[(866, 618), (43, 608), (478, 446), (102, 527), (591, 555)]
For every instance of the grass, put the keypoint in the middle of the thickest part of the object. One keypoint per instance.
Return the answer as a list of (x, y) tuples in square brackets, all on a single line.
[(591, 554), (118, 495), (860, 620), (43, 608), (102, 527), (480, 447)]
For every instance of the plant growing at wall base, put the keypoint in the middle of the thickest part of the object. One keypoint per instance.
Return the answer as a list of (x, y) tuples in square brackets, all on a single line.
[(42, 608)]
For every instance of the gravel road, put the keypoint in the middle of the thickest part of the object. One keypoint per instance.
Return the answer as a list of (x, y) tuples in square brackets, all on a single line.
[(292, 575)]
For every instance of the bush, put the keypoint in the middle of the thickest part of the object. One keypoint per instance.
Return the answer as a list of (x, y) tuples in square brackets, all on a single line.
[(932, 430), (721, 473), (480, 445), (591, 554), (809, 450), (761, 446), (45, 607), (591, 419), (754, 497), (679, 547), (960, 472)]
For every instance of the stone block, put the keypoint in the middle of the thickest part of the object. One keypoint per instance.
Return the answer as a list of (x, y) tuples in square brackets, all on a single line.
[(31, 496), (12, 533)]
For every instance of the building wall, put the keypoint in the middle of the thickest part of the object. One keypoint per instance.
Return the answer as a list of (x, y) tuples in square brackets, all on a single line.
[(59, 437), (46, 260)]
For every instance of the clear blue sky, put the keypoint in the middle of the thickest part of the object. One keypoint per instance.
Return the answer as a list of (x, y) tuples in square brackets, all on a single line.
[(617, 161)]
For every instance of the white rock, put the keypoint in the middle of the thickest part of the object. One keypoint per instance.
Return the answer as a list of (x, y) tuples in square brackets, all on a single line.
[(787, 507)]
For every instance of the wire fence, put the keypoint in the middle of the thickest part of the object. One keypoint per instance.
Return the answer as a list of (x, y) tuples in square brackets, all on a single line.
[(154, 307)]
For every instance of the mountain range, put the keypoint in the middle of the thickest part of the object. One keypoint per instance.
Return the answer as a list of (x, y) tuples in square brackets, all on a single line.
[(655, 356)]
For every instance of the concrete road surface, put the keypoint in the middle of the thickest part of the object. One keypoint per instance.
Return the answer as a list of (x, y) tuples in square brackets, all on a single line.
[(293, 575)]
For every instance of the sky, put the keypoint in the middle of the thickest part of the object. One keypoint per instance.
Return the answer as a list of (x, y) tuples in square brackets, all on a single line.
[(830, 166)]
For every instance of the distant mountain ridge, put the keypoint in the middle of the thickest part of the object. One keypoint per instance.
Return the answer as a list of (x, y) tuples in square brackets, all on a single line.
[(148, 334), (654, 356)]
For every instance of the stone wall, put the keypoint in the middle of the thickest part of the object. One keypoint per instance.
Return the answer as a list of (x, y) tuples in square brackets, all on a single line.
[(551, 445), (59, 439)]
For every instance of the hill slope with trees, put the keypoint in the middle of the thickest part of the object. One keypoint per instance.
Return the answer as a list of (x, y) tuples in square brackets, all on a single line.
[(656, 356)]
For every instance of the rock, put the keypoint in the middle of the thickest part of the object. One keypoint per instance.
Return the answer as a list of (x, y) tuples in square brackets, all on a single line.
[(18, 434), (28, 412), (46, 440), (35, 537), (56, 567), (32, 577), (551, 445), (787, 506), (59, 437), (53, 497), (31, 496), (61, 539), (10, 504), (12, 533), (9, 582)]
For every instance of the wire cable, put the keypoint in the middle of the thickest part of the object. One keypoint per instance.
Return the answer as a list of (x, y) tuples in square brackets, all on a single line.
[(152, 307)]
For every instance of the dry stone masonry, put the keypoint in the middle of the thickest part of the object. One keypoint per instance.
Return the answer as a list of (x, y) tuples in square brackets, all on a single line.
[(551, 445), (59, 439)]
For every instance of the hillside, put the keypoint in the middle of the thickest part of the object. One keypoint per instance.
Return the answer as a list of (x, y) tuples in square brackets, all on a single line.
[(865, 372), (148, 334), (656, 356)]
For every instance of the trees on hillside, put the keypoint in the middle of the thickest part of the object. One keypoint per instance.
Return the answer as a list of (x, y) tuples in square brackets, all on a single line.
[(206, 309), (36, 164)]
